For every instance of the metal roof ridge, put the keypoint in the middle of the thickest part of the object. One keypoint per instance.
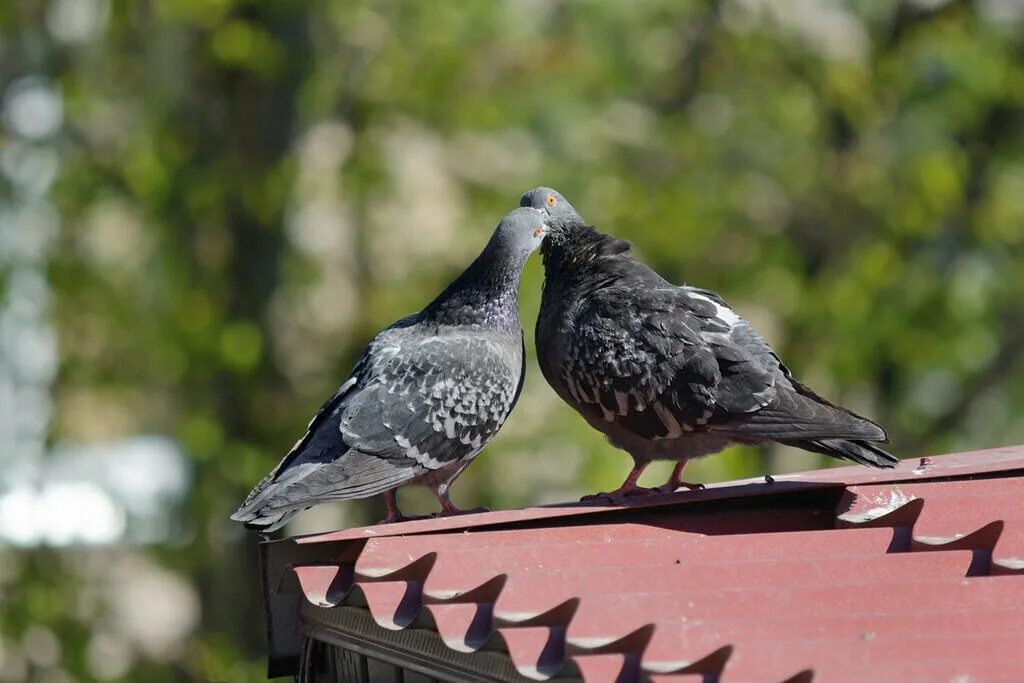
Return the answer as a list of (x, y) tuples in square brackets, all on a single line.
[(996, 460)]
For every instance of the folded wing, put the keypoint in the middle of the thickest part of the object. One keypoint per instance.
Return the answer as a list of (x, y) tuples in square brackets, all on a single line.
[(413, 404), (669, 360)]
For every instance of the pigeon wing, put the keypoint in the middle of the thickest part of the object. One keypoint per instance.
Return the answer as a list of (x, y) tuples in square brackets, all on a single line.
[(785, 410), (413, 404), (661, 361), (439, 400)]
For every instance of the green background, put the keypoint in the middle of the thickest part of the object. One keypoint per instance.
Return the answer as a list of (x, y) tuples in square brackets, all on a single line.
[(240, 194)]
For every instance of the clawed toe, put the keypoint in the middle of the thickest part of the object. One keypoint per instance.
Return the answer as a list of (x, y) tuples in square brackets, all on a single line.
[(395, 518), (672, 487), (618, 495), (455, 512), (630, 489), (635, 491)]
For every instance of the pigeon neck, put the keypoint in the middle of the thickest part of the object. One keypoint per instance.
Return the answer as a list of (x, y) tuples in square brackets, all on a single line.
[(486, 294), (575, 246)]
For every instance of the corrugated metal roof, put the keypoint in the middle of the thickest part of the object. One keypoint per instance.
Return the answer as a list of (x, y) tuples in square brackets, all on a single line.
[(838, 575)]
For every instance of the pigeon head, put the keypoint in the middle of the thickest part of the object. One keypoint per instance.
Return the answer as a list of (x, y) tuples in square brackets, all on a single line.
[(568, 235), (487, 292), (564, 224), (552, 202), (520, 232)]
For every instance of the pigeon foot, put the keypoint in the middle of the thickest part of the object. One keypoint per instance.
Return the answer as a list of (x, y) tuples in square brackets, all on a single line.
[(629, 487), (394, 514), (675, 480), (394, 517), (673, 486), (448, 508), (619, 494), (455, 512)]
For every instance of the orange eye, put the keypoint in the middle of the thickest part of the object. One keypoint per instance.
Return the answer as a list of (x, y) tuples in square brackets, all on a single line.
[(538, 231), (551, 200)]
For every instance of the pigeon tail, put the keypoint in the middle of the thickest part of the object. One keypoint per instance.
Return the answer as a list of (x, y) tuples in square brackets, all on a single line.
[(263, 519), (352, 475), (802, 415), (255, 512), (857, 450)]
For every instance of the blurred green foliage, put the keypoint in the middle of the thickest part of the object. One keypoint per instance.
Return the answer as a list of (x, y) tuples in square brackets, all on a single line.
[(249, 190)]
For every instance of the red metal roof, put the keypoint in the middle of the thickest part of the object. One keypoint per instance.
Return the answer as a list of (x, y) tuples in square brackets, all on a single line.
[(847, 574)]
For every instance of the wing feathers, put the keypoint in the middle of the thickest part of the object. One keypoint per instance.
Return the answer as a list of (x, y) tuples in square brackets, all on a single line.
[(353, 475), (858, 451), (417, 401), (692, 363), (793, 415), (646, 360)]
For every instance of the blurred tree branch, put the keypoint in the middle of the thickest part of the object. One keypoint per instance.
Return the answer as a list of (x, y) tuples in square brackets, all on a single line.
[(909, 15), (996, 372), (689, 70)]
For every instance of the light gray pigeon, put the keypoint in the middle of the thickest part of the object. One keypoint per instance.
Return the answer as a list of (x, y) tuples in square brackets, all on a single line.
[(425, 397), (669, 372)]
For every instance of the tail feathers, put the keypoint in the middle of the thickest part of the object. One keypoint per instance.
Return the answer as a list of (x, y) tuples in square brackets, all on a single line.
[(857, 450), (301, 485), (264, 519), (261, 510), (801, 414)]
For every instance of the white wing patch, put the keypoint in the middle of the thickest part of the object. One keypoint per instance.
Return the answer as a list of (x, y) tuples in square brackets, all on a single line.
[(723, 313), (415, 454)]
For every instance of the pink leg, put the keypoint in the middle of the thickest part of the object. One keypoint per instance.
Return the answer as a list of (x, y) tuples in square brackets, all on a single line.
[(675, 480), (629, 486), (448, 507), (394, 514)]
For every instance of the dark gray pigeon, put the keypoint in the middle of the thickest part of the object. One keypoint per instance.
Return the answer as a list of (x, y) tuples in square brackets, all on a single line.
[(669, 372), (426, 396)]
